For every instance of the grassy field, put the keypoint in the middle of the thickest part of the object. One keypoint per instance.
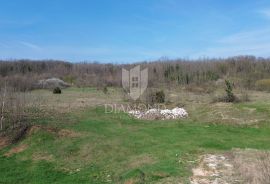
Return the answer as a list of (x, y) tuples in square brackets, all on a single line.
[(90, 146)]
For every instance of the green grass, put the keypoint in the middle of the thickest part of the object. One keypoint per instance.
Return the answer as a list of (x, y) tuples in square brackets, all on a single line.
[(114, 148)]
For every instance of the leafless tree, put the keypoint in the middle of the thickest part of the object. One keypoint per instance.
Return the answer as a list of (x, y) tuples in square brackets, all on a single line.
[(3, 107)]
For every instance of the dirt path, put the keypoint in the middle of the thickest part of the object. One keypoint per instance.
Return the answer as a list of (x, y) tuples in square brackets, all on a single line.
[(214, 169)]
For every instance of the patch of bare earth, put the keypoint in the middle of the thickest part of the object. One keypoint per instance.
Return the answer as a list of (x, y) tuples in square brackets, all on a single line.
[(213, 169), (170, 180), (35, 128), (140, 160), (68, 133), (237, 167), (131, 181), (4, 141), (16, 149), (42, 156), (57, 132)]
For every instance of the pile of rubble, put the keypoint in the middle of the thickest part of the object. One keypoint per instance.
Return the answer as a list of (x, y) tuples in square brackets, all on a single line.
[(157, 114), (51, 83)]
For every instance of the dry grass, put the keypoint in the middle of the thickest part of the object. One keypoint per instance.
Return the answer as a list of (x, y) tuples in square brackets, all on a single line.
[(62, 133), (247, 166), (201, 108), (68, 133), (252, 166), (42, 156), (199, 105), (74, 99), (139, 161)]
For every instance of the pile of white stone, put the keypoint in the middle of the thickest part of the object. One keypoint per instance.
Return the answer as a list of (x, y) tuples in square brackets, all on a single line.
[(51, 83), (157, 114)]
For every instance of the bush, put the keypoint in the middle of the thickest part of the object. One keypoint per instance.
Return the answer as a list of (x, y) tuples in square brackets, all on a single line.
[(263, 85), (229, 92), (57, 90), (229, 97), (160, 97), (153, 96), (105, 90)]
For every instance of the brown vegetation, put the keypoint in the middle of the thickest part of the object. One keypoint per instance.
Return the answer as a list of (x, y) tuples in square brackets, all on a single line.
[(252, 166), (246, 69)]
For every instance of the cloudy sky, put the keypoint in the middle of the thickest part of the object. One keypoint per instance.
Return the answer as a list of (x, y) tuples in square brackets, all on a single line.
[(133, 30)]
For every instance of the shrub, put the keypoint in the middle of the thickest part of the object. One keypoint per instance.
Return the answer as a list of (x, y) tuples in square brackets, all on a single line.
[(105, 90), (229, 97), (263, 85), (160, 97), (57, 90), (229, 92)]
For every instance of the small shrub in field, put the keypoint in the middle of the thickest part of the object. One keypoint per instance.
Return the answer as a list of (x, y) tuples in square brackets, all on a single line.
[(105, 90), (57, 90), (229, 97), (160, 97), (263, 85), (229, 92)]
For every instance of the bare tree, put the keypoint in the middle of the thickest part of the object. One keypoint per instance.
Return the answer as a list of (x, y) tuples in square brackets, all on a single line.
[(3, 107)]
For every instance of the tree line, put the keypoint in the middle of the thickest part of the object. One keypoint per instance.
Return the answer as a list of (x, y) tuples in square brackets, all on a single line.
[(244, 70)]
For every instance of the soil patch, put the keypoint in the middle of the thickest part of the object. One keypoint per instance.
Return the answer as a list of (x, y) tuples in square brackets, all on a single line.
[(16, 149)]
